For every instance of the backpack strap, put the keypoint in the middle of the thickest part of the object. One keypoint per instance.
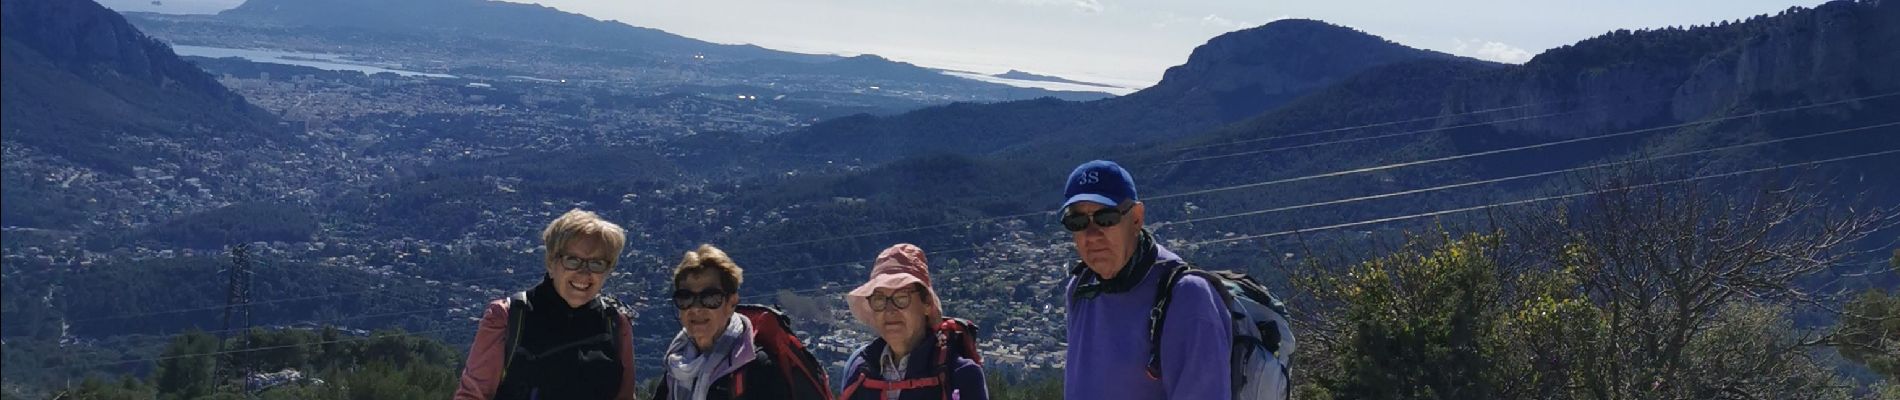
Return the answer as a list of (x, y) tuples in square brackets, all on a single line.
[(907, 384), (1164, 295), (738, 384), (949, 327), (857, 356), (621, 318), (855, 383), (1158, 317), (855, 372), (955, 337), (959, 335), (518, 308), (865, 381)]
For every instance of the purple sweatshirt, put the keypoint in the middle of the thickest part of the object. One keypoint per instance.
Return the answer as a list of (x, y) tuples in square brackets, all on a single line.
[(1108, 339)]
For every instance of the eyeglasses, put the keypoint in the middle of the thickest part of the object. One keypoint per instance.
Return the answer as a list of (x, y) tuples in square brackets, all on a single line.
[(593, 265), (901, 300), (1107, 217), (710, 299)]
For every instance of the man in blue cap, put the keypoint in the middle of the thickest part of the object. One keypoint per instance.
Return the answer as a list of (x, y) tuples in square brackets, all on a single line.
[(1112, 290)]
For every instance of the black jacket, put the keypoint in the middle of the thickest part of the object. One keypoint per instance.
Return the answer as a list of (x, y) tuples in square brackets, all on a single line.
[(761, 379), (564, 352)]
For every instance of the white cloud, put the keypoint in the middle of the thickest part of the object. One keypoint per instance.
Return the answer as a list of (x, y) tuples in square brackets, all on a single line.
[(1213, 22), (1089, 5), (1490, 51), (1218, 22)]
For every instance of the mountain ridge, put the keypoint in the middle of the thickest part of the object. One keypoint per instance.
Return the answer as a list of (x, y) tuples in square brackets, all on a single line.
[(1226, 79), (519, 21), (112, 79)]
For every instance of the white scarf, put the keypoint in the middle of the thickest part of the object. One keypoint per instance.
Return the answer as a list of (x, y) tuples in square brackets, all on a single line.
[(691, 373)]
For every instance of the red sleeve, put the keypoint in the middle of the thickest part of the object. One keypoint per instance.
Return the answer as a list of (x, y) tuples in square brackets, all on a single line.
[(628, 383), (482, 375)]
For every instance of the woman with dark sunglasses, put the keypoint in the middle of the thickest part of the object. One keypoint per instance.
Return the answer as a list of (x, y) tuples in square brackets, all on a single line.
[(561, 339), (918, 354), (717, 353)]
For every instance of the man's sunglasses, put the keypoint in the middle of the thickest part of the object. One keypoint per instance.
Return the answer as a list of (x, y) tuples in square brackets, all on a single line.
[(594, 265), (1106, 217), (710, 299)]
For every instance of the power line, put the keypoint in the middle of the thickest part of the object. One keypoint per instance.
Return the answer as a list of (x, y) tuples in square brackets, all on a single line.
[(1300, 134), (329, 322), (1539, 199), (1344, 172), (891, 231), (1475, 208), (1522, 148), (301, 298), (1865, 272), (255, 349), (1414, 132), (1531, 175)]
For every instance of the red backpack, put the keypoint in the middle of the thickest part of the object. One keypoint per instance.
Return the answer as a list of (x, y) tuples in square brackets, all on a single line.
[(953, 334), (773, 332)]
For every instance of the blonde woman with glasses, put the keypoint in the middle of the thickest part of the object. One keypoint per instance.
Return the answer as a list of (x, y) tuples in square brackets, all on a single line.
[(561, 339)]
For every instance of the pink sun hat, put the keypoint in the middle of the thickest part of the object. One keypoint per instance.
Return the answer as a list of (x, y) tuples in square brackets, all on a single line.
[(898, 266)]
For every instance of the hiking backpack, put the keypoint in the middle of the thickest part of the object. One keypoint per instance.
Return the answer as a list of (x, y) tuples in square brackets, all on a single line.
[(1261, 363), (518, 308), (773, 334), (953, 335)]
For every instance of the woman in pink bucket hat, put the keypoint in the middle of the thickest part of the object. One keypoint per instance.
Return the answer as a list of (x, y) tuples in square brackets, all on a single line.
[(919, 354)]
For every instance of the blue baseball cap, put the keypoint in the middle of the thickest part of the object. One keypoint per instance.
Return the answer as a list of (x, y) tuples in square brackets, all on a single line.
[(1102, 182)]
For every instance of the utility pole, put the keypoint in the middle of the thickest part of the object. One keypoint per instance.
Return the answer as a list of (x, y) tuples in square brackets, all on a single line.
[(237, 306)]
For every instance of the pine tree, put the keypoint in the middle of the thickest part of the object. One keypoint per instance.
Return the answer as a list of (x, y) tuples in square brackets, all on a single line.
[(187, 368)]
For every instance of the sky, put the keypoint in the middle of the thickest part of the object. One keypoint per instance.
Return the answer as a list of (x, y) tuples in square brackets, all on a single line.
[(1126, 43)]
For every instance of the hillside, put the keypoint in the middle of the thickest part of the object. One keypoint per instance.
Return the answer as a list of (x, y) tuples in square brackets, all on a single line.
[(497, 19), (77, 74), (85, 90), (1653, 100), (1232, 76), (1617, 82)]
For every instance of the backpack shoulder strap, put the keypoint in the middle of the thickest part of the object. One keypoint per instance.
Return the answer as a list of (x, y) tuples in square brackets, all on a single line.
[(518, 308), (1259, 292), (614, 304), (1158, 317), (737, 382), (853, 372), (856, 360), (622, 320), (1164, 295), (957, 337)]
